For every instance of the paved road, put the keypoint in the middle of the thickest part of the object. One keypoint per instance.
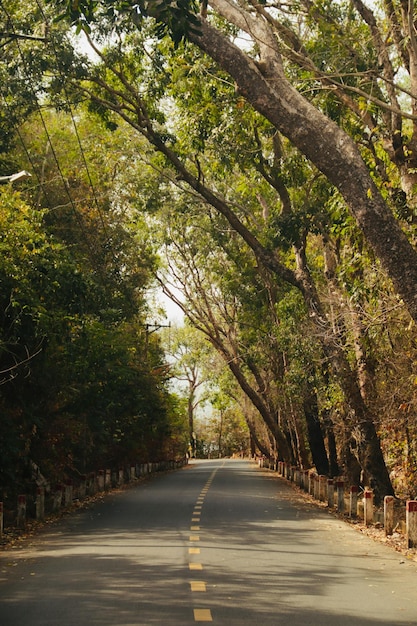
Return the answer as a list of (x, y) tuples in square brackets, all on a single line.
[(219, 541)]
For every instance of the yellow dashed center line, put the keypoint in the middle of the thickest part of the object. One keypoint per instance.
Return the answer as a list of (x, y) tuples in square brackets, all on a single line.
[(202, 615)]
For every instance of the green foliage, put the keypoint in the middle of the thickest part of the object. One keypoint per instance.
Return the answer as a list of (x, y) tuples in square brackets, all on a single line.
[(92, 277), (81, 385), (176, 18), (223, 434), (36, 58), (120, 406)]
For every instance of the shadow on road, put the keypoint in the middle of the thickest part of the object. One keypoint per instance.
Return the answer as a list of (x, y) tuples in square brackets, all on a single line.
[(268, 560)]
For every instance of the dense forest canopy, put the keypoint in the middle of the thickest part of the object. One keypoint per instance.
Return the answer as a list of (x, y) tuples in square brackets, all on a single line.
[(260, 159)]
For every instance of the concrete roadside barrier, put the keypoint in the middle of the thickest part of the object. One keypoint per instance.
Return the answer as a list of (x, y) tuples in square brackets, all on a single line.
[(311, 483), (322, 488), (368, 507), (57, 498), (100, 480), (353, 501), (40, 503), (411, 523), (82, 488), (62, 495), (21, 511), (68, 493), (316, 487), (389, 515), (330, 493), (340, 488)]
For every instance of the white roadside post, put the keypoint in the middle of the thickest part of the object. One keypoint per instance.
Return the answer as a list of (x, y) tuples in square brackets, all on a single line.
[(340, 486), (353, 501), (322, 488), (40, 503), (368, 507), (389, 515), (21, 511), (411, 523), (330, 492)]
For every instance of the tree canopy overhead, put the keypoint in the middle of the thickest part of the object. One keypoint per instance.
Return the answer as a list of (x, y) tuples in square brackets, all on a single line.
[(82, 385), (333, 100), (279, 179)]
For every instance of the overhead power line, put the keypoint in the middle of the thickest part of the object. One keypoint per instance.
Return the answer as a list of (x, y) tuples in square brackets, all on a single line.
[(13, 36)]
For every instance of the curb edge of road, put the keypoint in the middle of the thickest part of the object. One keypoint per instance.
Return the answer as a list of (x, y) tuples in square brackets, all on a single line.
[(396, 541), (14, 538)]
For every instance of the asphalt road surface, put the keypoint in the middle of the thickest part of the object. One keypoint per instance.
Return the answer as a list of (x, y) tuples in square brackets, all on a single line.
[(218, 541)]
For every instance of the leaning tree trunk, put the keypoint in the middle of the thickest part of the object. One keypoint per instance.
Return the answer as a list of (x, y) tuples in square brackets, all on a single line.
[(368, 447), (334, 468), (254, 441), (352, 469), (314, 432), (332, 151), (282, 444), (273, 96), (362, 425)]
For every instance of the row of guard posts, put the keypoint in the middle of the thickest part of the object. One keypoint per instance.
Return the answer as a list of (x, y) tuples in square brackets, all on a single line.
[(63, 495), (346, 501)]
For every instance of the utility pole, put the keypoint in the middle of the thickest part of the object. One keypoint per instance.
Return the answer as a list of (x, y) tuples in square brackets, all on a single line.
[(151, 328)]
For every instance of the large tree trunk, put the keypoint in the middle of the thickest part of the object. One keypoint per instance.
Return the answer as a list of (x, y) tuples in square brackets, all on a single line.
[(315, 433), (367, 447), (316, 136), (362, 425), (334, 469), (190, 412), (331, 150), (282, 444)]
